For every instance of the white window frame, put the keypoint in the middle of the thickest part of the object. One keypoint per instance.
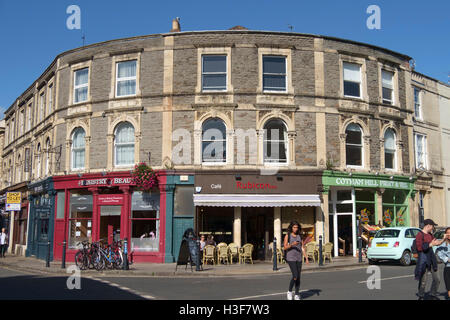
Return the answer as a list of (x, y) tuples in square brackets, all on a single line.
[(80, 86), (29, 118), (286, 143), (419, 96), (362, 147), (286, 83), (41, 106), (425, 150), (126, 79), (50, 99), (392, 101), (72, 149), (219, 73), (21, 122), (213, 163), (123, 144), (360, 80), (395, 150)]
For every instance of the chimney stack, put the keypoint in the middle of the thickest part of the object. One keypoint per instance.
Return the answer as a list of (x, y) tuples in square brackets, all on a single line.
[(176, 25)]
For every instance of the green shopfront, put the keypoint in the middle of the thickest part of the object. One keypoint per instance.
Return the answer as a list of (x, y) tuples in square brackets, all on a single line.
[(383, 200)]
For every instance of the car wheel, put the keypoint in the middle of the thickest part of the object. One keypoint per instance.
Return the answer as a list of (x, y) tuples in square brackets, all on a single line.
[(373, 261), (405, 260)]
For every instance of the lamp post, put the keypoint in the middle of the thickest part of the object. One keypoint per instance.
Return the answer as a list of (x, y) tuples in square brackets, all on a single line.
[(358, 222), (63, 265), (47, 264), (320, 251)]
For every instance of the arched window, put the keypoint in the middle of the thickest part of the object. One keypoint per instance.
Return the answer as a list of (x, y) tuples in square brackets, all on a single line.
[(38, 161), (78, 149), (47, 156), (389, 149), (275, 141), (124, 144), (354, 145), (214, 141)]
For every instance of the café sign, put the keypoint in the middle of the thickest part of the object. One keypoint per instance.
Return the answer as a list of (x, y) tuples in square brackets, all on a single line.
[(106, 181)]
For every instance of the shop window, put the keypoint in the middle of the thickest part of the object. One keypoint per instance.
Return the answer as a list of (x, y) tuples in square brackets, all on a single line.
[(184, 204), (275, 141), (365, 206), (303, 215), (343, 195), (61, 203), (44, 228), (145, 222), (214, 143), (395, 208), (218, 222), (353, 145), (80, 220)]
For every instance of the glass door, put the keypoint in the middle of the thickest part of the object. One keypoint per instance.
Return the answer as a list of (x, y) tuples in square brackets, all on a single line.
[(342, 212), (110, 223)]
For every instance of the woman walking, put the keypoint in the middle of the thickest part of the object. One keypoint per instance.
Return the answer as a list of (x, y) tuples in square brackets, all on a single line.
[(294, 255)]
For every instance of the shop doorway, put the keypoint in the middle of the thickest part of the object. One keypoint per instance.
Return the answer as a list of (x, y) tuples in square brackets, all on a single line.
[(342, 221), (345, 235), (258, 230), (110, 223)]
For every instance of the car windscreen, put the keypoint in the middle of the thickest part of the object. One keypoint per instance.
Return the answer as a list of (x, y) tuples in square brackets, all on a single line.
[(391, 233)]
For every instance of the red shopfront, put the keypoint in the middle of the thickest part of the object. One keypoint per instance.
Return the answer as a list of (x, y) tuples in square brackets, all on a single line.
[(108, 207)]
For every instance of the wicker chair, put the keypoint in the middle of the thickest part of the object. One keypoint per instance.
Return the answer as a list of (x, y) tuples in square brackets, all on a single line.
[(233, 252), (246, 253), (222, 252), (310, 250), (208, 254), (328, 249)]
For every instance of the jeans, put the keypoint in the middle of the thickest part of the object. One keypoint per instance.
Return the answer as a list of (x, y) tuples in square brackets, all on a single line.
[(296, 269), (3, 249), (434, 284)]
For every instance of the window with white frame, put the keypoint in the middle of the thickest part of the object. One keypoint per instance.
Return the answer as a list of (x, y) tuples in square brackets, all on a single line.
[(387, 80), (214, 141), (124, 144), (214, 72), (417, 104), (389, 149), (81, 85), (274, 73), (50, 99), (11, 133), (275, 141), (41, 106), (354, 145), (421, 151), (21, 122), (126, 78), (78, 149), (29, 110), (352, 80), (47, 157)]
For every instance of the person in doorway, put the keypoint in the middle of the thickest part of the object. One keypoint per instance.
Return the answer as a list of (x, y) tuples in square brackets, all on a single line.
[(444, 254), (202, 242), (210, 241), (427, 260), (3, 242), (294, 257)]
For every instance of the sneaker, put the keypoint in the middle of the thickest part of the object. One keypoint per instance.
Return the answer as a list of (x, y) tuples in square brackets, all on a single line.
[(289, 295), (297, 297)]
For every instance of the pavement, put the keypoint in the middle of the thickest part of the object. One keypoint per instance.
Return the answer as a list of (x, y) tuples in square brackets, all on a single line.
[(31, 264)]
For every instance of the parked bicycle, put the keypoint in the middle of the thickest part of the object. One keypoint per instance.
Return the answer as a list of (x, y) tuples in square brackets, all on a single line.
[(107, 256), (83, 256)]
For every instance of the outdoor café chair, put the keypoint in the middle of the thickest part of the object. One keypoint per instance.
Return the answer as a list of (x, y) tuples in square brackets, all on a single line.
[(310, 250), (328, 249), (208, 254), (233, 251), (246, 253), (222, 253)]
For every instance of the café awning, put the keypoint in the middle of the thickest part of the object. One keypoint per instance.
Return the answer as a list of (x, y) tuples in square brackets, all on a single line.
[(257, 200)]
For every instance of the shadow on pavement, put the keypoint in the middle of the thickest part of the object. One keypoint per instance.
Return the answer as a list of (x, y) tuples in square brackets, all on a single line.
[(310, 293), (55, 288)]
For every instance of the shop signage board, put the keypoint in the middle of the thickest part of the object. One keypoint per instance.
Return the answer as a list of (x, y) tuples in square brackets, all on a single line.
[(368, 181), (13, 200), (110, 199), (106, 182)]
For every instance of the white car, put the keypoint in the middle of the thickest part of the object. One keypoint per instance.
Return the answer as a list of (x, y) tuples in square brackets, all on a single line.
[(393, 244)]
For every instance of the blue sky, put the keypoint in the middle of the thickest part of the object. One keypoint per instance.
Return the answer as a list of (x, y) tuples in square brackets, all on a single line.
[(33, 33)]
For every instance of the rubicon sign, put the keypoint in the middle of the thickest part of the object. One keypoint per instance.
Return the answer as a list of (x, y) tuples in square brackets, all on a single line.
[(251, 185)]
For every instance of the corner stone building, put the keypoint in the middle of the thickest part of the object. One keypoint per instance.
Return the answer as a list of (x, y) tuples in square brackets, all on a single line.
[(345, 111)]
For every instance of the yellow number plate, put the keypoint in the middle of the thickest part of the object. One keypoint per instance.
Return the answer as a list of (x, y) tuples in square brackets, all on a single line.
[(382, 244)]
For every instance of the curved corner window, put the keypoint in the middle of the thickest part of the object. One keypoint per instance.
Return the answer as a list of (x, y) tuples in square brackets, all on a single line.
[(78, 149), (214, 141), (275, 141), (124, 144), (389, 149), (353, 145)]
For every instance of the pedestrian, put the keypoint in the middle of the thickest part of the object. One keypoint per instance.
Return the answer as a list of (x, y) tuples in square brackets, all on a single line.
[(294, 257), (3, 242), (202, 242), (427, 260), (210, 241), (444, 254)]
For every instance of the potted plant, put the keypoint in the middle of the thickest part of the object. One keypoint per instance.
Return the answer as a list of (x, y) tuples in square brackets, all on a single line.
[(144, 177)]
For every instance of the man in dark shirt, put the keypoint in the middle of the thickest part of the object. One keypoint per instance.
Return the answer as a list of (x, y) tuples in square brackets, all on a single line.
[(427, 260)]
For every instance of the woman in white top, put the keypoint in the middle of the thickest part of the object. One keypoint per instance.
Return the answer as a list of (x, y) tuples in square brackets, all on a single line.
[(3, 242)]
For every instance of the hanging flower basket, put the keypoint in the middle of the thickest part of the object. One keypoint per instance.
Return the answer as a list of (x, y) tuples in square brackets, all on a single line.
[(144, 177)]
